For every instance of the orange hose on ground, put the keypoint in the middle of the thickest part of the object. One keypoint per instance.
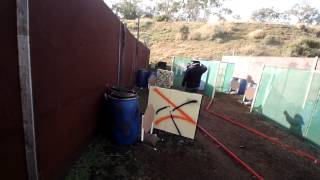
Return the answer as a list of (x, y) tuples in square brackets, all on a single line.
[(256, 132), (230, 153)]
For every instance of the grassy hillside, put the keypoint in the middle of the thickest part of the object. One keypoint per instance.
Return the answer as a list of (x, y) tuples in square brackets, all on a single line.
[(212, 41)]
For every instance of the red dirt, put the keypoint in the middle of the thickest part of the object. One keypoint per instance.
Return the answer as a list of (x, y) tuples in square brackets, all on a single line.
[(271, 161)]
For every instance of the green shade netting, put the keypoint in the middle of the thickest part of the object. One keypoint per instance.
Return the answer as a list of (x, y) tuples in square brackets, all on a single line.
[(224, 76), (291, 98)]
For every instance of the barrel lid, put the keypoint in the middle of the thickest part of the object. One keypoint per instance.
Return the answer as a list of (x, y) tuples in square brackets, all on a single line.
[(123, 95), (143, 70), (122, 89)]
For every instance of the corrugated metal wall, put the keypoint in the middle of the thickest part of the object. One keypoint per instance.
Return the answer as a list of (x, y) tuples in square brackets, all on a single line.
[(143, 56), (74, 55), (129, 59), (12, 154)]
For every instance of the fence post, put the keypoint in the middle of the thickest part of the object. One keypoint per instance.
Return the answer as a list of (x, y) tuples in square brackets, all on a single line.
[(26, 87), (313, 68), (315, 65), (138, 27), (172, 62), (257, 88)]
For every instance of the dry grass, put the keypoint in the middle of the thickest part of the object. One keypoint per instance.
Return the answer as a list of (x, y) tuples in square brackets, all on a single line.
[(316, 31), (272, 40), (302, 27), (205, 32), (257, 34), (212, 41), (212, 32)]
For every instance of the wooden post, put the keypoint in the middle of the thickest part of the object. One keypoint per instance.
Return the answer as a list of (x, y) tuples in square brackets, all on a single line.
[(215, 81), (315, 65), (26, 87), (313, 68), (172, 62), (257, 88), (138, 32)]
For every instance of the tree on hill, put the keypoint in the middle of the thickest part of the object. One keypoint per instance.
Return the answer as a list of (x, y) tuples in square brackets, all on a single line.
[(305, 13), (190, 10), (266, 15), (193, 8), (128, 9), (167, 8)]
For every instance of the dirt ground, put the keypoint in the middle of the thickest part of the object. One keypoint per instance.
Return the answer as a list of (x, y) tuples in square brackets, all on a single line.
[(180, 158)]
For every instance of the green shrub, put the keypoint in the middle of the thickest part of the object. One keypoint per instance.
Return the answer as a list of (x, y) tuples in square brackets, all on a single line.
[(272, 40), (311, 43), (317, 33), (302, 27), (219, 33), (162, 18), (184, 32), (146, 24), (306, 47)]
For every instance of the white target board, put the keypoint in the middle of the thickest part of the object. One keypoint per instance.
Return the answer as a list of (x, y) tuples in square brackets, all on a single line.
[(175, 111)]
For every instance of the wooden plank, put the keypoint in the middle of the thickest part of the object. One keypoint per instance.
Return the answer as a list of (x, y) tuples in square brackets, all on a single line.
[(257, 88), (26, 87)]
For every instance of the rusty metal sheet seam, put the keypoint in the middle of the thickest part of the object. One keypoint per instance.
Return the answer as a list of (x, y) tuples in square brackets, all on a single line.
[(26, 87)]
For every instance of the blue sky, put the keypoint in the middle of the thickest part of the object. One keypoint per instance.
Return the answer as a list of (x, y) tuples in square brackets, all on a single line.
[(244, 8)]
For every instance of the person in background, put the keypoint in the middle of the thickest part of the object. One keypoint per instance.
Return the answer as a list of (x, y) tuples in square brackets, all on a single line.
[(192, 77)]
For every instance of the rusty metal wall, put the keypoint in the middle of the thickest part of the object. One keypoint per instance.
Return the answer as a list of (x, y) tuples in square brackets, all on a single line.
[(74, 56), (129, 59), (74, 53), (146, 56), (142, 56), (12, 148), (135, 56)]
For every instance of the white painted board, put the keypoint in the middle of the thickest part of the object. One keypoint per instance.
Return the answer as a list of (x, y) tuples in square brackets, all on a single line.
[(164, 102)]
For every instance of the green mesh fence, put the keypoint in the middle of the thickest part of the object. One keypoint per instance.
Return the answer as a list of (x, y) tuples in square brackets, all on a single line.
[(179, 66), (291, 98), (212, 75), (224, 76), (208, 79), (227, 77)]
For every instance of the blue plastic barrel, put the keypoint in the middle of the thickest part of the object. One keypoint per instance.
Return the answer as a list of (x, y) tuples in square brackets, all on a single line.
[(153, 73), (242, 87), (125, 116), (142, 78)]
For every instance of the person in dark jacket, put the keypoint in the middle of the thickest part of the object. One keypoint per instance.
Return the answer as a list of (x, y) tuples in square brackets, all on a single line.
[(192, 77)]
